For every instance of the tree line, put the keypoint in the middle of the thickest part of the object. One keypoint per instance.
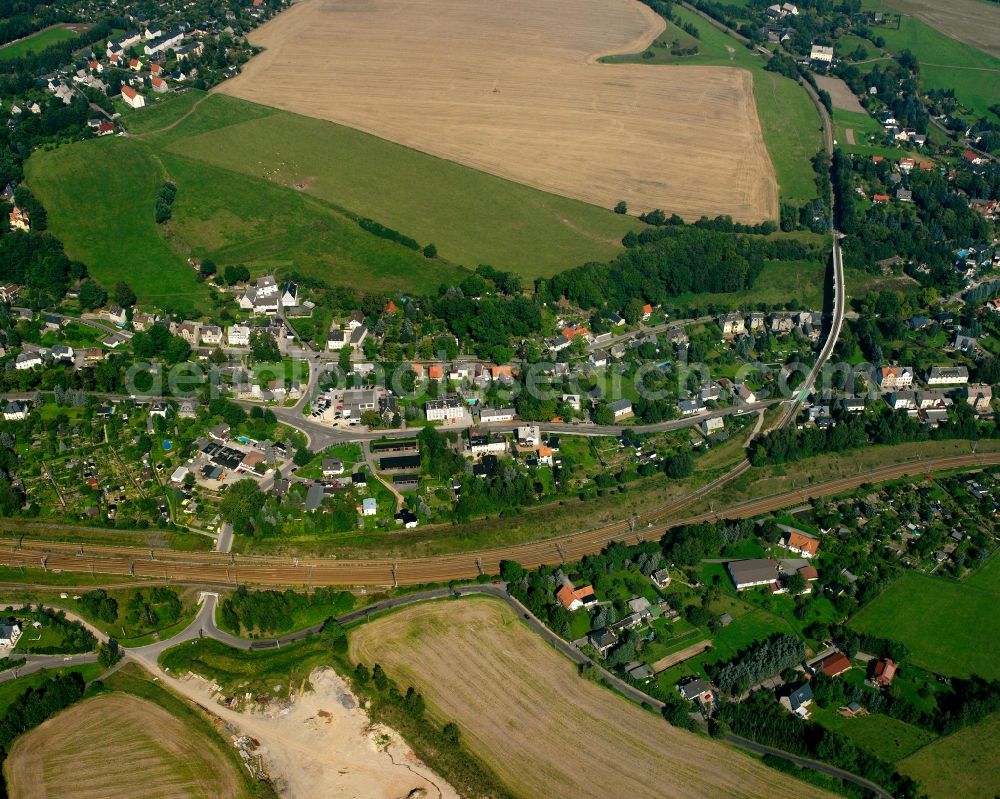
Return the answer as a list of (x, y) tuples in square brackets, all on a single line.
[(263, 612)]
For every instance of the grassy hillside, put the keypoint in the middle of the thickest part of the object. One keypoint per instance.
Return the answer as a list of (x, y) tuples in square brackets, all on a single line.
[(219, 214), (788, 118), (470, 216)]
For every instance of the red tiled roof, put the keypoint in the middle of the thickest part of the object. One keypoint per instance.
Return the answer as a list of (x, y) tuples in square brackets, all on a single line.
[(129, 92), (809, 573), (803, 543), (435, 372), (835, 664)]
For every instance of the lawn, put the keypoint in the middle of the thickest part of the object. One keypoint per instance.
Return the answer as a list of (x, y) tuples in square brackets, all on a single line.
[(470, 216), (789, 120), (36, 42), (887, 738), (962, 764), (944, 623)]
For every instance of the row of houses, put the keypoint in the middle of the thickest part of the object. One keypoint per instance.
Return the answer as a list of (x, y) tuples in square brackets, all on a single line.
[(808, 323)]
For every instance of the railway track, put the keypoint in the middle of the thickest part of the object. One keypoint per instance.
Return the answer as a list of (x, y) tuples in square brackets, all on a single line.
[(222, 569)]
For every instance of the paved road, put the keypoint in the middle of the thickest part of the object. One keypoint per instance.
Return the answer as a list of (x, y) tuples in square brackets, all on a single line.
[(805, 762), (224, 542), (35, 663)]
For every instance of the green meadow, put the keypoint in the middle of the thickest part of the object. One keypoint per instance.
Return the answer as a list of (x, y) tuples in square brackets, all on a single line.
[(946, 624)]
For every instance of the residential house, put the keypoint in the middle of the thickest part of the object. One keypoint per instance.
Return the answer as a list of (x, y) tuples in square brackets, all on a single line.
[(332, 467), (621, 408), (528, 435), (979, 396), (800, 543), (407, 518), (290, 296), (575, 598), (211, 335), (238, 335), (798, 701), (964, 344), (10, 633), (132, 98), (660, 578), (487, 444), (159, 85), (696, 690), (821, 54), (602, 640), (15, 411), (444, 409), (19, 219), (883, 672), (712, 424), (947, 375), (369, 507), (27, 360), (892, 378), (732, 325), (503, 414)]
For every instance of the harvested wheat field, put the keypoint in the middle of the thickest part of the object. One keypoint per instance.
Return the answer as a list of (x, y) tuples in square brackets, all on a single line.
[(118, 745), (513, 89), (545, 731)]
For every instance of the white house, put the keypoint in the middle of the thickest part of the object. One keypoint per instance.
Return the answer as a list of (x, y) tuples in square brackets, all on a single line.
[(239, 336), (821, 53), (947, 375), (369, 507), (528, 435), (211, 335), (15, 411), (10, 632), (27, 360), (179, 475), (443, 410), (504, 414), (712, 424), (621, 408), (132, 98)]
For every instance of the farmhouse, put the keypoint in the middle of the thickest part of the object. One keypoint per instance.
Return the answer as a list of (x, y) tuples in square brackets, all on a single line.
[(821, 54), (752, 573)]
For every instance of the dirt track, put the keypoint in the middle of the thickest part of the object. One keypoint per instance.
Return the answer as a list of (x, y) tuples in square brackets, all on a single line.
[(513, 89), (216, 568)]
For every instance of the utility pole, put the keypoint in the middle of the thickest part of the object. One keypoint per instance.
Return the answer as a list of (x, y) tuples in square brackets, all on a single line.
[(479, 565), (395, 584), (562, 552)]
